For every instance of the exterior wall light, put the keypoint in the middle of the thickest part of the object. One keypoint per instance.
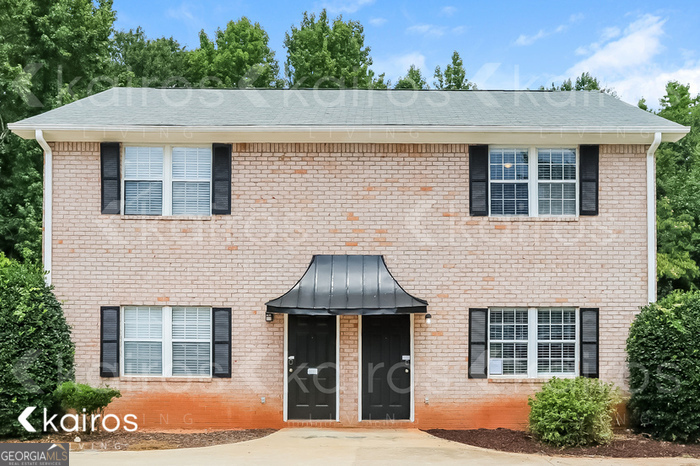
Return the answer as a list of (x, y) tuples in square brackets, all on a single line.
[(428, 319), (269, 317)]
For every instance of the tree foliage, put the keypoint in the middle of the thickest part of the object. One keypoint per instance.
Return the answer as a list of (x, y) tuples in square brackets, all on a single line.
[(51, 53), (454, 77), (678, 202), (139, 61), (328, 54), (36, 353), (239, 56), (664, 365), (585, 82), (413, 80)]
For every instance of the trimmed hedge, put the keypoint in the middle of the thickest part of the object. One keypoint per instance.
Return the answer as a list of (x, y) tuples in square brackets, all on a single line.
[(573, 412), (36, 352), (663, 351)]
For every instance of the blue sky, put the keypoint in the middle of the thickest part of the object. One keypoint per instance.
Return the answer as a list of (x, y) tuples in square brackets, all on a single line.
[(633, 46)]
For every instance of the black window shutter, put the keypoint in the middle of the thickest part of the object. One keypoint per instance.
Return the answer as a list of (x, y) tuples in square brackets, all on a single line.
[(589, 342), (478, 181), (109, 341), (221, 342), (221, 180), (588, 180), (478, 343), (111, 177)]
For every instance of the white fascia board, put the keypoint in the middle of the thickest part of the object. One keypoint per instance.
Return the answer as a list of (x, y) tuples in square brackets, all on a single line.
[(355, 134)]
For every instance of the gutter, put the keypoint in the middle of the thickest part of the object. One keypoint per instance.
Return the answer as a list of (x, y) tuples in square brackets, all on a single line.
[(651, 218), (48, 203), (359, 128)]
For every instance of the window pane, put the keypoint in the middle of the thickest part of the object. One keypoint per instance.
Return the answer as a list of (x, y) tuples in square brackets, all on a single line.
[(143, 163), (191, 323), (191, 198), (508, 326), (554, 327), (191, 163), (509, 199), (143, 323), (191, 359), (508, 164), (142, 358), (143, 197)]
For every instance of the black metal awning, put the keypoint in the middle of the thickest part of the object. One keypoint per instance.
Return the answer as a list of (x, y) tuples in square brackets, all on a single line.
[(356, 285)]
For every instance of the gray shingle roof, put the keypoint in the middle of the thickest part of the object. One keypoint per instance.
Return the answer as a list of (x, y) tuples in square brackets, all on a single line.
[(360, 108)]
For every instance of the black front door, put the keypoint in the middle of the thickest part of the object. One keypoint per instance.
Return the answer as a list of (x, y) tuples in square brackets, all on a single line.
[(311, 371), (386, 367)]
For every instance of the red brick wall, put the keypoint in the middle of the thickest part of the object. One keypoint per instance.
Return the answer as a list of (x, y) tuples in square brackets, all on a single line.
[(290, 201)]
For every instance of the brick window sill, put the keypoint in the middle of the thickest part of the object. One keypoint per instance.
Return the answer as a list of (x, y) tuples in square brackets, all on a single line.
[(517, 380), (168, 379), (534, 219), (169, 218)]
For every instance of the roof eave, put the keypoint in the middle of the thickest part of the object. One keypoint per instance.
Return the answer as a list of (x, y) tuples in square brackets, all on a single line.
[(348, 133)]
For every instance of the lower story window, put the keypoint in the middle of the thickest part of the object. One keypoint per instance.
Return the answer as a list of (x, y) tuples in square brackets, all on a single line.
[(166, 341), (533, 342)]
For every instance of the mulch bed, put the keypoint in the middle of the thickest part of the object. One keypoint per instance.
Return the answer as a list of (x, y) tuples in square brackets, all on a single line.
[(140, 441), (625, 445)]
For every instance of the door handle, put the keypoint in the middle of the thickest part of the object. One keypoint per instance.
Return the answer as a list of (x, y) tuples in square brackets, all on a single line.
[(290, 359)]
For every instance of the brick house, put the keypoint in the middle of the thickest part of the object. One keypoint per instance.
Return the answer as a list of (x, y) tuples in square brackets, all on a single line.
[(245, 258)]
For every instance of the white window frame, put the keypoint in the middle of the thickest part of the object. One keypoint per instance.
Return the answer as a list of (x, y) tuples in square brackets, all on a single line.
[(167, 201), (166, 345), (532, 345), (533, 180)]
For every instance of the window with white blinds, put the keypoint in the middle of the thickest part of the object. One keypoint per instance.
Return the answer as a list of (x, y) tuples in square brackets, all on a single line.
[(165, 341), (143, 341), (533, 343), (167, 180), (191, 341), (533, 181), (143, 180)]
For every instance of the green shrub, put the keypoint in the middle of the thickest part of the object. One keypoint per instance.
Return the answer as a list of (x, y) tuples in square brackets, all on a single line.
[(36, 352), (573, 412), (80, 396), (663, 352)]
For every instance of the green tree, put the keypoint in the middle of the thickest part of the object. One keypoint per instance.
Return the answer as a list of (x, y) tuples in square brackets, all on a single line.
[(143, 62), (678, 203), (413, 80), (328, 54), (585, 82), (455, 76), (239, 56), (51, 53), (36, 353)]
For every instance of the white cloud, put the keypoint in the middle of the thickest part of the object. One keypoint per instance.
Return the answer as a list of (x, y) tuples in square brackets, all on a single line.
[(377, 21), (524, 39), (529, 40), (627, 61), (427, 30), (396, 66), (607, 34), (448, 10), (458, 30), (335, 7), (639, 44)]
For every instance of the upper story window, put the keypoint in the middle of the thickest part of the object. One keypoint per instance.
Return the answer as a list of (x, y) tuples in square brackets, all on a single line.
[(167, 180), (531, 181)]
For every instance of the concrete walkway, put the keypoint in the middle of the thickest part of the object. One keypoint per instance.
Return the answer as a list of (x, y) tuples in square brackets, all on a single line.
[(338, 447)]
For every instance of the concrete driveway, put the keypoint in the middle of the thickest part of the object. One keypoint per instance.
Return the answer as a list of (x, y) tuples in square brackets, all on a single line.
[(337, 447)]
